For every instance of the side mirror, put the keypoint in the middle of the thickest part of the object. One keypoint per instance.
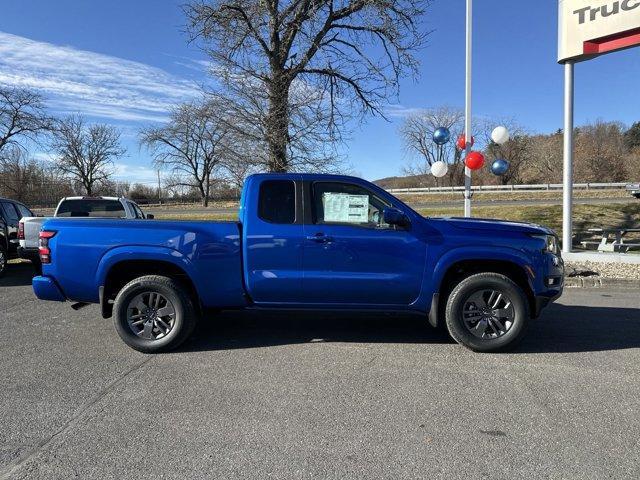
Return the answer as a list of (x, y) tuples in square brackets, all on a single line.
[(150, 216), (393, 216)]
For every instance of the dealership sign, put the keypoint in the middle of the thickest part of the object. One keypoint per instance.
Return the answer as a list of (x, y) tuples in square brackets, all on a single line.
[(589, 28)]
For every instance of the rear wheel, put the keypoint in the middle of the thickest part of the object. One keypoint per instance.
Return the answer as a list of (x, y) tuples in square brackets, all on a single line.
[(487, 312), (154, 314), (4, 259)]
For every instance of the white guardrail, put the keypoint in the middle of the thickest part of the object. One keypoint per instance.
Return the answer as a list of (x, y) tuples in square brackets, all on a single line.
[(543, 187)]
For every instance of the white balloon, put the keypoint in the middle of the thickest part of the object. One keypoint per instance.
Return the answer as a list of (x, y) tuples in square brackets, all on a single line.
[(439, 169), (500, 135)]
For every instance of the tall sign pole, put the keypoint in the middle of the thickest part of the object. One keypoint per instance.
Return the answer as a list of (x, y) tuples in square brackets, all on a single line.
[(467, 111), (567, 173)]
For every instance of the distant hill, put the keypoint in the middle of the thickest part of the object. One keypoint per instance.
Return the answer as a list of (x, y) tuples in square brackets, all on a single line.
[(411, 181)]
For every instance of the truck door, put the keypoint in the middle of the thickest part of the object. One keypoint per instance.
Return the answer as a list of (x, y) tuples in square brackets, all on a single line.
[(12, 217), (351, 256), (273, 239)]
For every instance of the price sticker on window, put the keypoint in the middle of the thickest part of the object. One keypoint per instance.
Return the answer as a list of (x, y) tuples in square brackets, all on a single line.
[(345, 208)]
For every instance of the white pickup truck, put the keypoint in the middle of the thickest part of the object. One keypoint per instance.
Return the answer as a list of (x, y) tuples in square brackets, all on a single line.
[(634, 189), (76, 207)]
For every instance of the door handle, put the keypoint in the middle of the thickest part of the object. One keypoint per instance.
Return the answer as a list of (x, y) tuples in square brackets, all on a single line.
[(320, 238)]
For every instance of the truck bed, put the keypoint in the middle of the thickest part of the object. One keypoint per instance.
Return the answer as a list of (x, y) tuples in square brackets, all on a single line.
[(88, 249)]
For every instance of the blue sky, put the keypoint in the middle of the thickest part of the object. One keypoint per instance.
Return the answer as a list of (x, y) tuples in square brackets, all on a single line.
[(125, 62)]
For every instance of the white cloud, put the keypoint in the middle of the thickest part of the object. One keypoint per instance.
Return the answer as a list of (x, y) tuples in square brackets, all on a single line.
[(400, 111), (135, 173), (91, 83)]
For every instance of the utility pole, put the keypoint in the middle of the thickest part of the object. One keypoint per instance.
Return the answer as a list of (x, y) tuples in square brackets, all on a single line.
[(159, 197), (467, 110)]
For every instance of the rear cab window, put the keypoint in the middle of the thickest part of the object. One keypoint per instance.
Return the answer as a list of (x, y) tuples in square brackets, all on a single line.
[(91, 207), (346, 204), (277, 201)]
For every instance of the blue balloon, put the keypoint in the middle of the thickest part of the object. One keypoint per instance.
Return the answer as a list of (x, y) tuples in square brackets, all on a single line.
[(441, 136), (499, 167)]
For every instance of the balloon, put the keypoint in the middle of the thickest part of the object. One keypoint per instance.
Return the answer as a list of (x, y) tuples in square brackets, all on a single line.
[(475, 160), (439, 169), (441, 136), (500, 135), (499, 167), (462, 142)]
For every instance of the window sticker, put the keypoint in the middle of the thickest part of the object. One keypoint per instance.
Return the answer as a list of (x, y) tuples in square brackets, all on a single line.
[(345, 208)]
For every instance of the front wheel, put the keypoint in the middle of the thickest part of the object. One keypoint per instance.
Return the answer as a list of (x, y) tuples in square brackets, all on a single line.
[(153, 314), (487, 312)]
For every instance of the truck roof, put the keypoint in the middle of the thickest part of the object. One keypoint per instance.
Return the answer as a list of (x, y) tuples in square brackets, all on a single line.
[(307, 176), (90, 198)]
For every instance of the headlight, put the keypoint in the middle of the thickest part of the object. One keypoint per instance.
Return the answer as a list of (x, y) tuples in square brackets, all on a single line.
[(551, 243)]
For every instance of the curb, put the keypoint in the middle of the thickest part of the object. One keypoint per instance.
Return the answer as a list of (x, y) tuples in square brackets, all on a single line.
[(600, 282)]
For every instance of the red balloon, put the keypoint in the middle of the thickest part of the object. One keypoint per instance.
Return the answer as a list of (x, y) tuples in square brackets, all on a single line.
[(462, 142), (475, 161)]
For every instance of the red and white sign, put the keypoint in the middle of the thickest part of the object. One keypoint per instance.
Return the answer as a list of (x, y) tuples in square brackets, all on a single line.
[(588, 28)]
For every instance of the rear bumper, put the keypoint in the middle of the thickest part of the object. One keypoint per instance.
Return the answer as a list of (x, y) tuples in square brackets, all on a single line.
[(46, 288), (29, 254)]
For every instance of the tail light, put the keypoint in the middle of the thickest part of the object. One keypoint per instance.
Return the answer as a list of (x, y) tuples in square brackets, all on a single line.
[(44, 250), (21, 231)]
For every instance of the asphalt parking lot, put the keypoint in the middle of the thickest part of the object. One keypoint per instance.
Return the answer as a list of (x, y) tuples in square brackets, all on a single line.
[(319, 396)]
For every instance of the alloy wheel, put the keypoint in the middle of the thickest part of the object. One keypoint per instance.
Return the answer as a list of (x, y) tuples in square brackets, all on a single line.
[(488, 314), (151, 315)]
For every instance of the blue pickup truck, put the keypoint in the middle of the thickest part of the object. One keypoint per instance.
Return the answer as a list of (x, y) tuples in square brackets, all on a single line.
[(305, 242)]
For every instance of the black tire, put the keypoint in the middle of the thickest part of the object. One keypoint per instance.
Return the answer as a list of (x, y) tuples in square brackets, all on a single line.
[(4, 260), (184, 321), (461, 332)]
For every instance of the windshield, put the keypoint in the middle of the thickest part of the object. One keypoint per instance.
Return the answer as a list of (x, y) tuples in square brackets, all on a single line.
[(87, 207)]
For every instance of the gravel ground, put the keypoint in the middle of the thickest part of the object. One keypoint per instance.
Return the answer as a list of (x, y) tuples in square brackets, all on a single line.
[(606, 270)]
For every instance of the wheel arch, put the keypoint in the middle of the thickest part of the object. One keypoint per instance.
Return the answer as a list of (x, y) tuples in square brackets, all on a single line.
[(449, 274), (122, 271)]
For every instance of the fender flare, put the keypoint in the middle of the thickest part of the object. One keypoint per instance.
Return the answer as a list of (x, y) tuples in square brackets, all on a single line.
[(461, 254), (145, 253)]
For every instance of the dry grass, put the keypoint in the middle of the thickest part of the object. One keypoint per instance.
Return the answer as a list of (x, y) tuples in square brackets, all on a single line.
[(616, 215), (505, 196)]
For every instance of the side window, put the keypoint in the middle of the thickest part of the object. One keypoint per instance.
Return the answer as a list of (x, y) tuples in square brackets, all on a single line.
[(24, 211), (277, 201), (10, 212), (345, 203)]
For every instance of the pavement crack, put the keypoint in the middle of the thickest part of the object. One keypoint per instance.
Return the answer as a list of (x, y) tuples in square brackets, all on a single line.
[(13, 466)]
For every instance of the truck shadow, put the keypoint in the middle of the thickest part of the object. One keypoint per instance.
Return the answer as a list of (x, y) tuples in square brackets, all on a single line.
[(18, 275), (561, 329)]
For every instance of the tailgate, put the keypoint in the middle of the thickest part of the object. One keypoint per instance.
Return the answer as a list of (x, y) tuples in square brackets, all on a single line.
[(32, 227)]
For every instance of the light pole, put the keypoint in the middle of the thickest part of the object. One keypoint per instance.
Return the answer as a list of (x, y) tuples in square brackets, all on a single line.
[(467, 111)]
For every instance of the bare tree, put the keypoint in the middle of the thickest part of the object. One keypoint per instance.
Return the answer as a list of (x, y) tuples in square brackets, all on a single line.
[(349, 53), (18, 173), (86, 152), (601, 152), (191, 145), (417, 135), (22, 116)]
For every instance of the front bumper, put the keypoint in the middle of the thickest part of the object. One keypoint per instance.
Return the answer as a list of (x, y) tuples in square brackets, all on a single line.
[(46, 288), (553, 283)]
